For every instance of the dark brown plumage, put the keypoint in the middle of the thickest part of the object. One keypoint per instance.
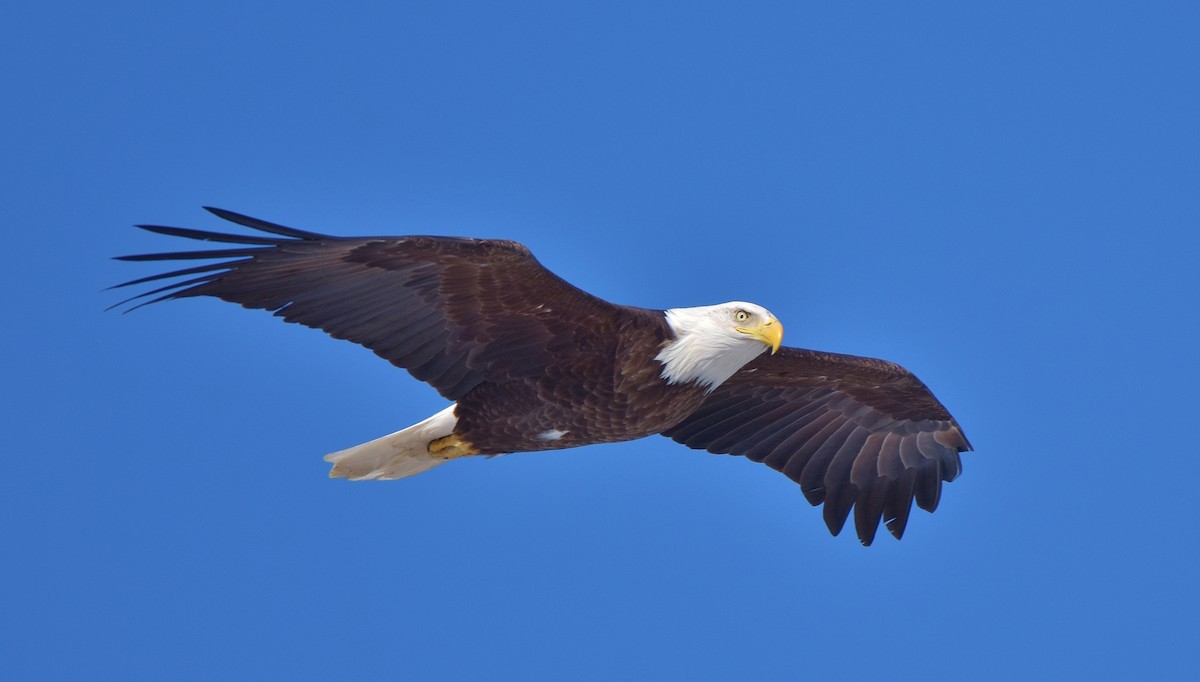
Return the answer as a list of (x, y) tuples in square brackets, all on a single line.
[(525, 354), (850, 430)]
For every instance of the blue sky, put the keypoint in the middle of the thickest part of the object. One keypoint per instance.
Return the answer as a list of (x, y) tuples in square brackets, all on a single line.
[(1002, 198)]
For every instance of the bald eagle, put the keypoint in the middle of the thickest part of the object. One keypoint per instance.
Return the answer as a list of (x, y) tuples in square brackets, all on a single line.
[(530, 363)]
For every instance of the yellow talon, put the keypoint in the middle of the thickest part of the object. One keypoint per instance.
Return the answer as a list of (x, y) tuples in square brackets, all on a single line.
[(451, 447)]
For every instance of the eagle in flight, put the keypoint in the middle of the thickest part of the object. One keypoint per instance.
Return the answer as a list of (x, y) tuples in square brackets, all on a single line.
[(532, 363)]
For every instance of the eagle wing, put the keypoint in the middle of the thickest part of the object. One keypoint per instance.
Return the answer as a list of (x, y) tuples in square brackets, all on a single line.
[(852, 431), (454, 312)]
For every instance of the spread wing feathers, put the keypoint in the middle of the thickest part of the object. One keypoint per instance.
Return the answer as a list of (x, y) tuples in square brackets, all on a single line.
[(454, 312), (853, 432)]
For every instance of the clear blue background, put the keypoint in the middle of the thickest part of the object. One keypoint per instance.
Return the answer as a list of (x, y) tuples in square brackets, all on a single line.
[(1002, 197)]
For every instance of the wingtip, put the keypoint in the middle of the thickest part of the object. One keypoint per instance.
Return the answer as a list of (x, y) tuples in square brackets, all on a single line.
[(967, 447), (263, 225), (895, 529), (231, 216)]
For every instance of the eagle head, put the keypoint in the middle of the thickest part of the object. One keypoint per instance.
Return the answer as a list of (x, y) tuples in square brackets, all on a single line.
[(711, 343)]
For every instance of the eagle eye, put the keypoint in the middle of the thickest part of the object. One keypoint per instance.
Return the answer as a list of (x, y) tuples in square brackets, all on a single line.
[(741, 316)]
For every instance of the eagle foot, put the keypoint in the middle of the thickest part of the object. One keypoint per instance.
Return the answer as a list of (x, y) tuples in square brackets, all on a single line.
[(451, 447)]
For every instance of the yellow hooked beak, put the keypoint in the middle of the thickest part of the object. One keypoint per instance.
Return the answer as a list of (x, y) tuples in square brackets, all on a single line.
[(769, 332)]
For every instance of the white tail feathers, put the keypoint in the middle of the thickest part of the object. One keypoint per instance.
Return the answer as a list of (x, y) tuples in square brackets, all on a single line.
[(403, 453)]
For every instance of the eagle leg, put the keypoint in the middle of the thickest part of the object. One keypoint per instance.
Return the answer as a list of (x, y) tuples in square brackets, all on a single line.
[(451, 447)]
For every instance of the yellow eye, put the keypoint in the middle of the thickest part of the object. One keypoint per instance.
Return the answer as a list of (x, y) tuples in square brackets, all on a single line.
[(741, 316)]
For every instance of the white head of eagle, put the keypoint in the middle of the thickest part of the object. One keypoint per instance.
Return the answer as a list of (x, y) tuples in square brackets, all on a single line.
[(713, 342)]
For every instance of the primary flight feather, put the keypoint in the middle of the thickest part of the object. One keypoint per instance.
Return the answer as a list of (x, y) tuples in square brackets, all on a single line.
[(533, 363)]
